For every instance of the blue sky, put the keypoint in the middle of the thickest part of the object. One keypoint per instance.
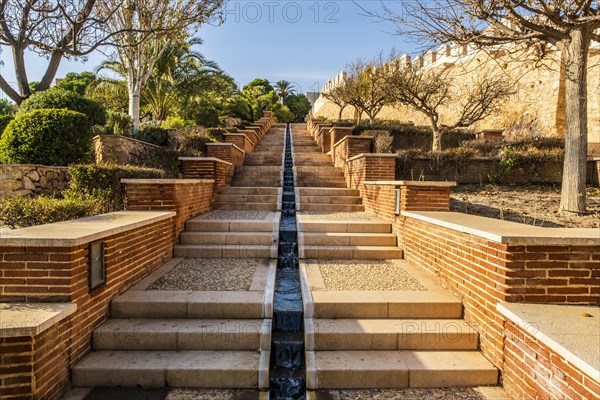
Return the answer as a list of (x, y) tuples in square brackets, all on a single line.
[(305, 42)]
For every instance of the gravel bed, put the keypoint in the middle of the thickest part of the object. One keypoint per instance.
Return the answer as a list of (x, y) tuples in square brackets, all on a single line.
[(211, 394), (367, 275), (338, 216), (404, 394), (237, 214), (209, 274)]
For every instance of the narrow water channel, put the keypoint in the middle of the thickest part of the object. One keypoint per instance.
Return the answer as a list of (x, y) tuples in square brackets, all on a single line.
[(287, 370)]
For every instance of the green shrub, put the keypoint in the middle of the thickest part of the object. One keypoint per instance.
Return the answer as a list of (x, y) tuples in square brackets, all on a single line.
[(22, 212), (151, 133), (49, 137), (60, 98), (527, 160), (382, 140), (102, 183), (176, 123), (118, 123), (404, 163), (4, 121)]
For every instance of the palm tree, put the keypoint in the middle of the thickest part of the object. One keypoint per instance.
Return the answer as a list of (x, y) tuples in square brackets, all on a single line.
[(284, 89)]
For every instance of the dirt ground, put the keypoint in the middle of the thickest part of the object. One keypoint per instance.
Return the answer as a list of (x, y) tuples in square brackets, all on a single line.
[(529, 204)]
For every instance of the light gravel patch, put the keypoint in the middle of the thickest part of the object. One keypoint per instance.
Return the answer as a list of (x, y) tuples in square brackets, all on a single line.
[(237, 214), (337, 216), (211, 394), (209, 274), (367, 275), (407, 394)]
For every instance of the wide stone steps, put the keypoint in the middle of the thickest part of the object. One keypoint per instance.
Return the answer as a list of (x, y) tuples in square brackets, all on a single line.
[(229, 238), (325, 183), (249, 191), (330, 207), (335, 252), (222, 205), (345, 226), (247, 198), (188, 304), (397, 369), (390, 334), (183, 334), (225, 251), (328, 199), (335, 192), (431, 304), (199, 369), (346, 239)]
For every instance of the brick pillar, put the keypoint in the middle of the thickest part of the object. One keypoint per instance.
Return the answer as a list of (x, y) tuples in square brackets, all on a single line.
[(369, 167), (425, 196), (336, 134), (207, 168)]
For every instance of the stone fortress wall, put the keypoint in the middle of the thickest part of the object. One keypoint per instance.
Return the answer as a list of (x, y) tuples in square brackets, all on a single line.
[(537, 107)]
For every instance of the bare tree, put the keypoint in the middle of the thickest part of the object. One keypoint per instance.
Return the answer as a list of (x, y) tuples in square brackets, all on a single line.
[(52, 29), (430, 91), (365, 87), (137, 50), (337, 96), (569, 25)]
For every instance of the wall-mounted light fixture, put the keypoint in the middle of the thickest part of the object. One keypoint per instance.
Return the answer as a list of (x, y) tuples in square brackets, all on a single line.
[(397, 201), (96, 266)]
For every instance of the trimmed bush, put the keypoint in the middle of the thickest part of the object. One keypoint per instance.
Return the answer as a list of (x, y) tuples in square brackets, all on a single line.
[(118, 123), (49, 137), (152, 133), (4, 121), (22, 212), (176, 123), (216, 134), (102, 183), (60, 98)]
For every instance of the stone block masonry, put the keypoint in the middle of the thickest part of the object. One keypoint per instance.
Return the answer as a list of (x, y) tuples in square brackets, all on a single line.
[(116, 149), (49, 263), (26, 180)]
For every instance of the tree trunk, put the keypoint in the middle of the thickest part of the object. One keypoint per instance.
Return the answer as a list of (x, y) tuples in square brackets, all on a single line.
[(358, 114), (436, 145), (134, 109), (575, 165), (340, 112)]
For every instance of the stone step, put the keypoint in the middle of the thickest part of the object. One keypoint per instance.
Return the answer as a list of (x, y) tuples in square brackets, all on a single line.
[(273, 206), (337, 192), (330, 207), (421, 304), (246, 198), (398, 369), (200, 369), (346, 239), (390, 334), (195, 305), (208, 225), (334, 252), (253, 191), (328, 199), (183, 334), (226, 238), (225, 251), (327, 184), (245, 181), (345, 226)]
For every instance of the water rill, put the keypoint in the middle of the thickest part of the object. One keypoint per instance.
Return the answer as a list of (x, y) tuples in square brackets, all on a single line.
[(287, 372)]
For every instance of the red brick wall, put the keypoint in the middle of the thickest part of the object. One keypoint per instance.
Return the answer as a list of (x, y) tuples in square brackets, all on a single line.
[(337, 134), (39, 367), (324, 139), (533, 371), (202, 168), (369, 168), (188, 199), (252, 135)]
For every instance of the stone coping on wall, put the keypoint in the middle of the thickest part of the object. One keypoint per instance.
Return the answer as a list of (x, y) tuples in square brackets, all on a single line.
[(507, 232), (239, 134), (80, 231), (167, 181), (225, 144), (411, 183), (563, 328), (363, 155), (30, 319), (204, 159), (127, 138), (355, 137)]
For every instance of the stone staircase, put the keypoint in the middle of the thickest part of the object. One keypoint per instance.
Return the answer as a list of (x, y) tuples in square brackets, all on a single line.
[(371, 338), (201, 338)]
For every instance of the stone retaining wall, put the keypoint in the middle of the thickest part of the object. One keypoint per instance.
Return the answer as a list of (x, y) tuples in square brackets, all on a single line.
[(29, 180), (115, 149)]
